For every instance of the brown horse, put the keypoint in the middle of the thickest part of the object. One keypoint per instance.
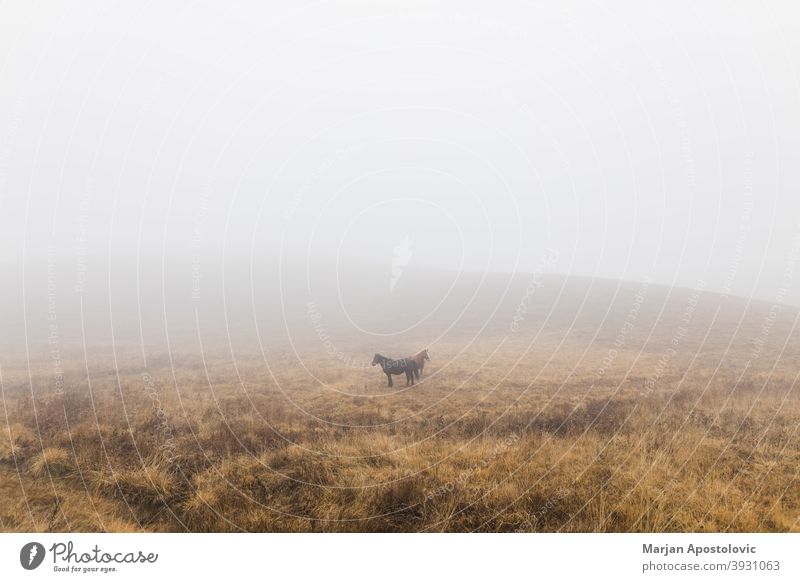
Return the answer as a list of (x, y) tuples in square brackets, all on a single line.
[(420, 359), (404, 365)]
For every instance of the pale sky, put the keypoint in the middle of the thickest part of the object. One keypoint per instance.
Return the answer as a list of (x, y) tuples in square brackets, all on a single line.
[(636, 139)]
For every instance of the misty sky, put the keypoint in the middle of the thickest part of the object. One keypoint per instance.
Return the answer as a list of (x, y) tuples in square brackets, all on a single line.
[(634, 140)]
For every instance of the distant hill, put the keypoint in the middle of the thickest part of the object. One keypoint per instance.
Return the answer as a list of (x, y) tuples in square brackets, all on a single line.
[(356, 308)]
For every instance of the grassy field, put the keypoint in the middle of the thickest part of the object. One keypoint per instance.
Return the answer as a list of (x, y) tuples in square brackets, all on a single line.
[(475, 446), (646, 419)]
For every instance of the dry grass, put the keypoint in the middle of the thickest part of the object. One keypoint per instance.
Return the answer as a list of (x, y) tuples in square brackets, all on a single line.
[(537, 447), (51, 462)]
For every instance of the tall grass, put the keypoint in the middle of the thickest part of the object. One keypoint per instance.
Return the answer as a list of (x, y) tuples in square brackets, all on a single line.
[(532, 447)]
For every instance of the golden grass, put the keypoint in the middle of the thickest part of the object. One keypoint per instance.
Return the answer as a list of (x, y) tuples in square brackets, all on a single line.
[(51, 462), (541, 446)]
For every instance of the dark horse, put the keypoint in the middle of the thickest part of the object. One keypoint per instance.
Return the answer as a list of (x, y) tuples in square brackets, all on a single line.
[(420, 359), (405, 365)]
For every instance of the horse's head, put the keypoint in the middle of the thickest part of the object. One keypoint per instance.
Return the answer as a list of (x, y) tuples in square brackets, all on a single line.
[(425, 353), (377, 359)]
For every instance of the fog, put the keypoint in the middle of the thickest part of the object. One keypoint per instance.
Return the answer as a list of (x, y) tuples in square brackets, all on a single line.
[(170, 158)]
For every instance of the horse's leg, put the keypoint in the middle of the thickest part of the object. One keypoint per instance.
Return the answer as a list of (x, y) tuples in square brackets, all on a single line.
[(388, 375)]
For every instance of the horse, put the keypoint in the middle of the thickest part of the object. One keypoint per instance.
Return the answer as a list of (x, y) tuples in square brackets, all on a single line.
[(404, 365), (420, 359)]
